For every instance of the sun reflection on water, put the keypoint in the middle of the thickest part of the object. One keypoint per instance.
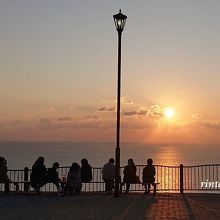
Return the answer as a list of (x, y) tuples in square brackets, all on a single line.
[(168, 156), (168, 177)]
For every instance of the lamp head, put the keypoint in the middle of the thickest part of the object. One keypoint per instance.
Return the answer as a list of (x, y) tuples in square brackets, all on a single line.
[(119, 20)]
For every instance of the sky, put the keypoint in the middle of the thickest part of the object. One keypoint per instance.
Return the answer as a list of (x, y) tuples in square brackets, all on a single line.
[(58, 71)]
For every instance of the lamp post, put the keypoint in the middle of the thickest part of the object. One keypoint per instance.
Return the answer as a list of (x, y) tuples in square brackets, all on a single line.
[(119, 20)]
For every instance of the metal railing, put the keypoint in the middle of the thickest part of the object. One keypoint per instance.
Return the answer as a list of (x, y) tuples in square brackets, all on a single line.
[(171, 178)]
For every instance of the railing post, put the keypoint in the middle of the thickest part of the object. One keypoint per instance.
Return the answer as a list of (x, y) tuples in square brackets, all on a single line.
[(26, 184), (181, 178)]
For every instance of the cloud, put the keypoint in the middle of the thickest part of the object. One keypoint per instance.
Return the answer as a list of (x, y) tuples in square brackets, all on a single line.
[(102, 109), (107, 109), (92, 117), (65, 118), (138, 112), (154, 111), (45, 121), (142, 110), (126, 101), (211, 125), (196, 116), (85, 125), (73, 125), (135, 123), (131, 113), (111, 109), (18, 122), (77, 122), (199, 124)]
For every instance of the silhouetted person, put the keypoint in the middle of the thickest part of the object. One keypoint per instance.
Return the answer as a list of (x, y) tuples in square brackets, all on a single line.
[(52, 175), (39, 174), (129, 174), (3, 174), (108, 175), (74, 182), (86, 171), (149, 175)]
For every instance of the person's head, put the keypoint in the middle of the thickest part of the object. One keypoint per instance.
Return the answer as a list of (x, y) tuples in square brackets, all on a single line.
[(56, 165), (130, 161), (149, 161), (84, 161), (40, 160), (2, 161), (74, 167), (111, 160)]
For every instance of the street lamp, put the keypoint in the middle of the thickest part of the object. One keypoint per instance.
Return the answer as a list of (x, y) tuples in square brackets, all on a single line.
[(119, 20)]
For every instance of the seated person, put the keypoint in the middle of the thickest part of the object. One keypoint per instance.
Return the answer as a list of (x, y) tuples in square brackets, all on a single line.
[(52, 176), (86, 171), (148, 175), (130, 174), (74, 182), (108, 175), (3, 174), (38, 176)]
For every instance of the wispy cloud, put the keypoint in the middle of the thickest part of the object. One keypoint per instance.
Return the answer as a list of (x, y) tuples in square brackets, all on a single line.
[(126, 101), (65, 118), (131, 113), (138, 124), (196, 116), (18, 122), (214, 125), (92, 117), (107, 109), (45, 121), (77, 123)]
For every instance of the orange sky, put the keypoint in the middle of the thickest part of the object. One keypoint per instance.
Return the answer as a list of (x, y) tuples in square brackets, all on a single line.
[(58, 71)]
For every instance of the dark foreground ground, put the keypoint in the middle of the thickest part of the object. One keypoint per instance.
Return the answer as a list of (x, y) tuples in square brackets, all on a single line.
[(134, 206)]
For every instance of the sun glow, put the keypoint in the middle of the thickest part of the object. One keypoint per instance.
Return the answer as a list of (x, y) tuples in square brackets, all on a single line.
[(168, 112)]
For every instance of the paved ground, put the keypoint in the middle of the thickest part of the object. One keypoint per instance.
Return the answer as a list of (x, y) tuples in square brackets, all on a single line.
[(133, 206)]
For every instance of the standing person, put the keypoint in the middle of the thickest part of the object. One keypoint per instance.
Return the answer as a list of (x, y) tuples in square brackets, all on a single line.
[(86, 171), (108, 175), (129, 174), (149, 175), (74, 182), (3, 174), (39, 174)]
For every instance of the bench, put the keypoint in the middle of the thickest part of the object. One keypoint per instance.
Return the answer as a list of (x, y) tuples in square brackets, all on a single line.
[(26, 185), (17, 185), (154, 185)]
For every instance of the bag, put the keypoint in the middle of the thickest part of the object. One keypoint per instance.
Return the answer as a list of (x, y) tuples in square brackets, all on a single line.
[(136, 179)]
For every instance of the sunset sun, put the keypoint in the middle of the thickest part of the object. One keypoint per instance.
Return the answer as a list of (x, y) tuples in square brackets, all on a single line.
[(168, 112)]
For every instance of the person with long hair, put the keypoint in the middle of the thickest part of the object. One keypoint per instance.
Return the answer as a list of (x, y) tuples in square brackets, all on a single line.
[(74, 182), (86, 171), (3, 174), (39, 174)]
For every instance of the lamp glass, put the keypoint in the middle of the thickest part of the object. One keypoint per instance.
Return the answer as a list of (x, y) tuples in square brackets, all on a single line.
[(120, 20)]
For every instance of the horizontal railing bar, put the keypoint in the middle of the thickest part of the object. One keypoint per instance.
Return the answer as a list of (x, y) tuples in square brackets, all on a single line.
[(204, 177)]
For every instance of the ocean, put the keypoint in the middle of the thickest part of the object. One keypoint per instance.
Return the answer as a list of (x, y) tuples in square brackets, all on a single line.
[(22, 154)]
